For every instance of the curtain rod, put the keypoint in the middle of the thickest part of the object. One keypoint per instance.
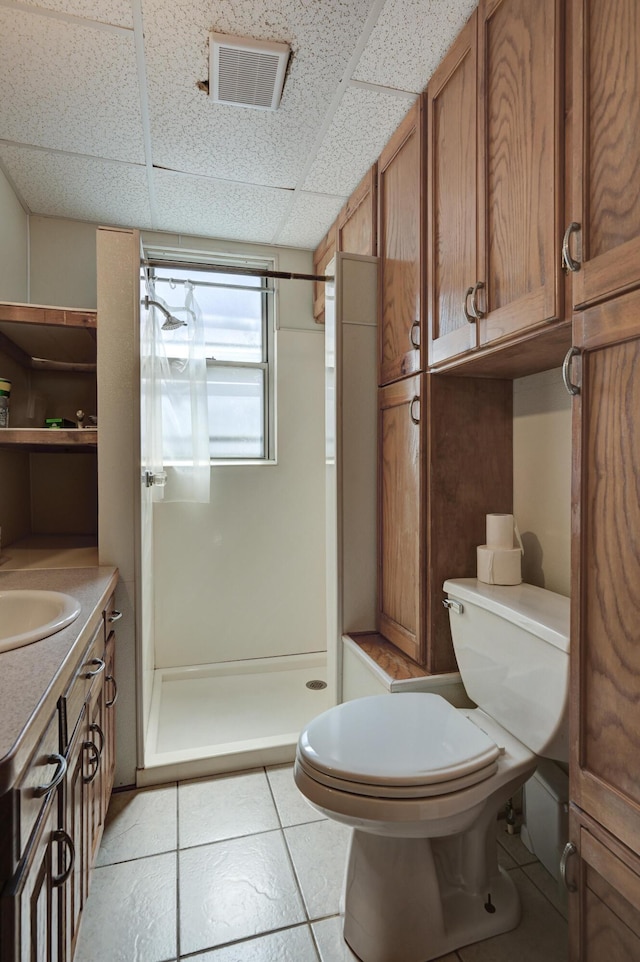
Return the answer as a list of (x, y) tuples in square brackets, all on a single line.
[(235, 269)]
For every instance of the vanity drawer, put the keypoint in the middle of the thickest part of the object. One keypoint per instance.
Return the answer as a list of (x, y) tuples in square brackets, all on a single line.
[(45, 771), (90, 672)]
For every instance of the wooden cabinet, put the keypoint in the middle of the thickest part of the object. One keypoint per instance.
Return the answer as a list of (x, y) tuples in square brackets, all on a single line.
[(605, 903), (494, 233), (356, 225), (605, 202), (445, 461), (452, 227), (605, 655), (57, 813), (400, 249)]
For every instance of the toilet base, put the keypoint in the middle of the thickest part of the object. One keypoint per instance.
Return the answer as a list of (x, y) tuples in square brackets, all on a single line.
[(405, 901)]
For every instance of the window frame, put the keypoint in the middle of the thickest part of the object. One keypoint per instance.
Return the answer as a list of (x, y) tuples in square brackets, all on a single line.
[(200, 263)]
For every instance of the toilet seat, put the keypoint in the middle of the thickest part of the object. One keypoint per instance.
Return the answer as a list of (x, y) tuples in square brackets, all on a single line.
[(414, 745)]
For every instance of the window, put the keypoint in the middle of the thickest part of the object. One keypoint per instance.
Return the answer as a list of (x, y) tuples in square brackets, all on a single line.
[(237, 312)]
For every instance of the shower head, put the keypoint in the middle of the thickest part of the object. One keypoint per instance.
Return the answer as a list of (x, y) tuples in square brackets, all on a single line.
[(171, 323)]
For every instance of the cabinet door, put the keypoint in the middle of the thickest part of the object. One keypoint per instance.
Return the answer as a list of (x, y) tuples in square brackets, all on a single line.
[(110, 695), (605, 618), (400, 226), (452, 210), (75, 822), (356, 224), (94, 773), (606, 155), (520, 210), (604, 908), (402, 542)]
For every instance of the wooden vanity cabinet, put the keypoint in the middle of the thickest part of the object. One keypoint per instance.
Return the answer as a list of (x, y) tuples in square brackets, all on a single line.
[(401, 210), (56, 834), (605, 655), (322, 256), (605, 202)]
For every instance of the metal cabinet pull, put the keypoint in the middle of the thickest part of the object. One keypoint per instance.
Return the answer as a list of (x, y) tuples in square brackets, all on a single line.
[(416, 420), (96, 671), (61, 770), (568, 851), (93, 760), (477, 312), (111, 703), (573, 389), (415, 327), (469, 317), (114, 616), (61, 836), (569, 265), (96, 728)]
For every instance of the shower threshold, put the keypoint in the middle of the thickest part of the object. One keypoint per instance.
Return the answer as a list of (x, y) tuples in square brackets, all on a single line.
[(209, 719)]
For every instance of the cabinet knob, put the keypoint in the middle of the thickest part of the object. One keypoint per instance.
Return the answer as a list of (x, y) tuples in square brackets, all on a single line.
[(568, 851), (94, 760), (469, 317), (96, 671), (415, 342), (111, 702), (569, 265), (477, 312), (415, 400), (572, 388), (114, 616)]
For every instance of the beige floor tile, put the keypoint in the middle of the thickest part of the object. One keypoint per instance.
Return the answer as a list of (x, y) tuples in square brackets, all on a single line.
[(333, 948), (514, 845), (131, 913), (540, 937), (139, 823), (235, 889), (290, 945), (549, 886), (319, 855), (293, 808), (227, 806)]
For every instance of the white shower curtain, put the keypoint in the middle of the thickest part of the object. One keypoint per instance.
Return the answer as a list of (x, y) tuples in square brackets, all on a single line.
[(174, 406)]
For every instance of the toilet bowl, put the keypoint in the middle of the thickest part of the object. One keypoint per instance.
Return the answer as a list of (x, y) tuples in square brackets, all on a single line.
[(420, 782)]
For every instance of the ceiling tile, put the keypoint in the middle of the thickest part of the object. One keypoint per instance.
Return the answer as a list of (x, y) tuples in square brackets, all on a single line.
[(69, 87), (192, 134), (116, 12), (81, 188), (197, 205), (360, 129), (409, 41), (311, 215)]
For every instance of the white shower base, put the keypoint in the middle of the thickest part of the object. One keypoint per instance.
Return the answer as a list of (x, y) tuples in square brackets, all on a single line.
[(208, 719)]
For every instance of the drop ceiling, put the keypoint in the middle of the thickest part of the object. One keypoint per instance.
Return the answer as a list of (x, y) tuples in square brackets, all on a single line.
[(102, 118)]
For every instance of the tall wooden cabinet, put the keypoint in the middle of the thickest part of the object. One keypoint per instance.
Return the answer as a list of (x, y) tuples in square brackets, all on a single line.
[(400, 249), (605, 201), (605, 649)]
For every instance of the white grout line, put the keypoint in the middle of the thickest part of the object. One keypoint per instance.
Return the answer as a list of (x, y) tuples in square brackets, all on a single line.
[(138, 34), (65, 17)]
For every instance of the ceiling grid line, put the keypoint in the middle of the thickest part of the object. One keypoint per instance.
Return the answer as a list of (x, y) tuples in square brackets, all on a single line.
[(138, 33), (65, 17)]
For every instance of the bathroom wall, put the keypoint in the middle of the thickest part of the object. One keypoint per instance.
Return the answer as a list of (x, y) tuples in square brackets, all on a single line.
[(542, 478), (14, 245), (63, 262), (248, 569)]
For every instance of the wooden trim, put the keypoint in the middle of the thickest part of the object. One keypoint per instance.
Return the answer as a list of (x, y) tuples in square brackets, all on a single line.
[(609, 323), (321, 257), (78, 438), (57, 316), (366, 191)]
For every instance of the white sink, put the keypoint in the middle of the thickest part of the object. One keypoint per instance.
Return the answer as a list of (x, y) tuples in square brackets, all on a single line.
[(27, 615)]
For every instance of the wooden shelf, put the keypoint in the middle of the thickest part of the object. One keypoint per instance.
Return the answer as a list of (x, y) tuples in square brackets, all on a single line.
[(78, 439)]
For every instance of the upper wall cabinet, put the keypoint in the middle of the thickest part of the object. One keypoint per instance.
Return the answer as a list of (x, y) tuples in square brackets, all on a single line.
[(605, 202), (400, 232), (495, 174), (453, 198), (357, 221), (520, 49)]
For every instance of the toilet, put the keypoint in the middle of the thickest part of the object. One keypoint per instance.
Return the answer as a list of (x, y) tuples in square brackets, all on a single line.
[(421, 782)]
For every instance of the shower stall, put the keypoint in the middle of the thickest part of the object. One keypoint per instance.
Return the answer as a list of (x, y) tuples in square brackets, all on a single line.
[(231, 594)]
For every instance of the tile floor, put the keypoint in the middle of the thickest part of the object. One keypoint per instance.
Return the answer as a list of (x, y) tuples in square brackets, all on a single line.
[(240, 868)]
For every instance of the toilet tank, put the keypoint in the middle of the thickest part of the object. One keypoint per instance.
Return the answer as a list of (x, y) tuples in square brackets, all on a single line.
[(512, 647)]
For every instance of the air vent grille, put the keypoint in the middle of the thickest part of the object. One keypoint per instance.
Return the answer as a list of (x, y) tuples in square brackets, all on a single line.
[(247, 73)]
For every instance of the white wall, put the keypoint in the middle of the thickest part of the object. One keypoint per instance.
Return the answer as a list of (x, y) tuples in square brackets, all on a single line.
[(542, 478), (14, 245), (244, 577), (63, 262)]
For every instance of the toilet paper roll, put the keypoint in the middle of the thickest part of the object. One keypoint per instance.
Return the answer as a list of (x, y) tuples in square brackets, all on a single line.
[(500, 529), (499, 566)]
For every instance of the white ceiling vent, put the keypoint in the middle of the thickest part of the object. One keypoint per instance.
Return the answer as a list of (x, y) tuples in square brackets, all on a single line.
[(246, 73)]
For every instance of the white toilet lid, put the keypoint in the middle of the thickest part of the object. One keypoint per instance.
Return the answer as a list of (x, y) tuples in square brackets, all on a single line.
[(401, 740)]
